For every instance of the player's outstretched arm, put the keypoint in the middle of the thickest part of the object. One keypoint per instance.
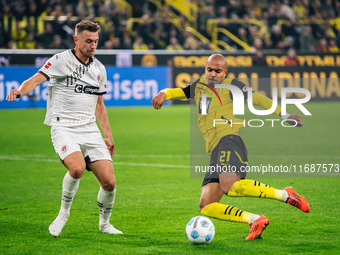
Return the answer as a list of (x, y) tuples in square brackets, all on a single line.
[(165, 95), (26, 87), (266, 103)]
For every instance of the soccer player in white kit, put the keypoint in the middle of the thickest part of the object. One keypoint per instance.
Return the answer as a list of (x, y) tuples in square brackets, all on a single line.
[(77, 82)]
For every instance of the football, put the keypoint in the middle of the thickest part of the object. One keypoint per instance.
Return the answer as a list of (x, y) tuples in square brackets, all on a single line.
[(200, 230)]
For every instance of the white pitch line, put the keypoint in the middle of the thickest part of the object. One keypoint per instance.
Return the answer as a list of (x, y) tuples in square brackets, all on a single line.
[(40, 158), (251, 156), (192, 156), (24, 158)]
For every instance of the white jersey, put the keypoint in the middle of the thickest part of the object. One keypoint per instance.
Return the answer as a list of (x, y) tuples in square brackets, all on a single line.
[(73, 89)]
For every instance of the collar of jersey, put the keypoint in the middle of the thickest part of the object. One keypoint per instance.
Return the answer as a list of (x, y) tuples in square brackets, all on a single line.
[(88, 63)]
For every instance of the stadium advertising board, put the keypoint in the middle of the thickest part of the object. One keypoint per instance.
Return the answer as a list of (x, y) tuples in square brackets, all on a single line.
[(174, 58), (322, 82), (125, 86)]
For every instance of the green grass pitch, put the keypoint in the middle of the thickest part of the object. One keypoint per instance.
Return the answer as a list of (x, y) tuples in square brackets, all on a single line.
[(156, 196)]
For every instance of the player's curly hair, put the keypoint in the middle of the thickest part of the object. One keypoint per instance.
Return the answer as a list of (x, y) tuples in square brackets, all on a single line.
[(87, 25)]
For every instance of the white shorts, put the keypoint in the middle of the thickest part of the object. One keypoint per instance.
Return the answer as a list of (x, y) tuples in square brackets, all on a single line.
[(86, 138)]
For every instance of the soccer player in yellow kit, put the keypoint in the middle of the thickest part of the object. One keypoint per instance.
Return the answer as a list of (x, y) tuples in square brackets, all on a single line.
[(226, 147)]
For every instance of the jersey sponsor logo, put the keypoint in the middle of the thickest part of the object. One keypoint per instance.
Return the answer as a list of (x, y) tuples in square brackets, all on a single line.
[(48, 65), (87, 89)]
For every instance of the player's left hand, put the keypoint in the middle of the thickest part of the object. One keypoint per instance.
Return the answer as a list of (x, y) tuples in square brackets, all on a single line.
[(297, 117), (110, 145)]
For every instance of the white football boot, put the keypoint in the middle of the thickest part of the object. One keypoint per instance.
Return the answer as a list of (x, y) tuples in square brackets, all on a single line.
[(58, 224), (109, 229)]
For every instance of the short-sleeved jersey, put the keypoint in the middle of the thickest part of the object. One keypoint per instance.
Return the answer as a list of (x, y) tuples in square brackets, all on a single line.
[(73, 89), (219, 106)]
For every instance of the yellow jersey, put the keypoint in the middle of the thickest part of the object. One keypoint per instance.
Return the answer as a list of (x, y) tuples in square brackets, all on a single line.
[(216, 119)]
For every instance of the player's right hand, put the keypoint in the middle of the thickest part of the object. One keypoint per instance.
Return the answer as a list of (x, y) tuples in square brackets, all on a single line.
[(13, 94), (158, 100)]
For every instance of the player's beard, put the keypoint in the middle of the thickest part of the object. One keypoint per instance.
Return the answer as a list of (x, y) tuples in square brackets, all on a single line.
[(87, 54), (212, 82)]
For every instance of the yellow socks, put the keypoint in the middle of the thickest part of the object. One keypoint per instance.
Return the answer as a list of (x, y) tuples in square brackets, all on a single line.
[(229, 213), (243, 188), (250, 188)]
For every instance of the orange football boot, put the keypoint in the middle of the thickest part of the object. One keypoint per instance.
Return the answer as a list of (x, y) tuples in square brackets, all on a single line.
[(257, 227), (296, 200)]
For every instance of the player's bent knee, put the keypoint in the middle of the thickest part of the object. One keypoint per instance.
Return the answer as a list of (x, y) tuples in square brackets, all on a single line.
[(76, 172), (202, 205), (205, 202), (109, 185), (227, 183)]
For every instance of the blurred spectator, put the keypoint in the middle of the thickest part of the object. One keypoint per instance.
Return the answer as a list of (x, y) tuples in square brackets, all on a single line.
[(307, 40), (222, 12), (57, 43), (157, 41), (309, 9), (234, 26), (236, 7), (108, 35), (145, 28), (116, 43), (210, 13), (258, 59), (272, 16), (322, 46), (332, 46), (337, 8), (337, 39), (289, 30), (110, 7), (127, 43), (107, 45), (46, 38), (329, 9), (258, 45), (291, 59), (157, 27), (12, 45), (85, 9), (298, 9), (157, 22), (244, 37), (191, 43), (178, 36), (174, 45), (139, 44), (30, 42), (286, 10), (19, 35), (317, 6), (277, 37), (6, 24)]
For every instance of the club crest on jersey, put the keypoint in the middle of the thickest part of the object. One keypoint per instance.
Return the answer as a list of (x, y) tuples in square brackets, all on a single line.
[(98, 78), (48, 65), (64, 148)]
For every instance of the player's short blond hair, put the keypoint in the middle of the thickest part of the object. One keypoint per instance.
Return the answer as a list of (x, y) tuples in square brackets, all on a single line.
[(87, 25)]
